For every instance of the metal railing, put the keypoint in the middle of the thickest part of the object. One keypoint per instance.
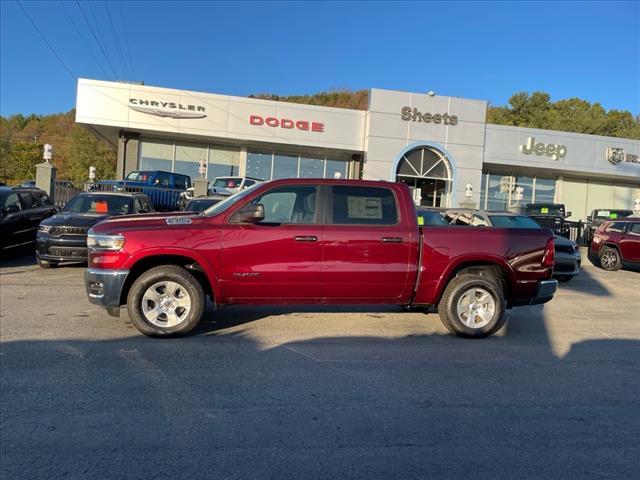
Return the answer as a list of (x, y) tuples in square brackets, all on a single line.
[(565, 228), (63, 191)]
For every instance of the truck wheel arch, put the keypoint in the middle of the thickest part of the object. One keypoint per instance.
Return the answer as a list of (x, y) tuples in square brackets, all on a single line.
[(492, 268), (198, 267)]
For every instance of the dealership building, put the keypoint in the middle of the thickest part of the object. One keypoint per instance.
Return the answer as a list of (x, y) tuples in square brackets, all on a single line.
[(441, 147)]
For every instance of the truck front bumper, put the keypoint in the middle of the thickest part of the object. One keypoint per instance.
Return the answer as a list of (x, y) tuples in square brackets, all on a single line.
[(545, 291), (104, 287)]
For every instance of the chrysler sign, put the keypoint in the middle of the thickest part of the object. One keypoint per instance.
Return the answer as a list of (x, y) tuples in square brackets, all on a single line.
[(167, 109)]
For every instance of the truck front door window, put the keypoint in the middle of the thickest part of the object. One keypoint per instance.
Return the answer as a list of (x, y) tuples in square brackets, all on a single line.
[(295, 204)]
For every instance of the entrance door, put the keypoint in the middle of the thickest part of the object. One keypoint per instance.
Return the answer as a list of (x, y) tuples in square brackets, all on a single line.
[(428, 175), (279, 257)]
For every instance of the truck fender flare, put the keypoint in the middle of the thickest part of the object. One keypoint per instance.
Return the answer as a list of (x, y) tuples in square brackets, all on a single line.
[(207, 269), (472, 260)]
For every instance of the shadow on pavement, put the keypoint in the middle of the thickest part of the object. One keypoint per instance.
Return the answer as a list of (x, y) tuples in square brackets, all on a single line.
[(223, 404)]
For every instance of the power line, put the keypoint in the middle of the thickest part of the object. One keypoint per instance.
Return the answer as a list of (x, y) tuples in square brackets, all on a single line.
[(115, 75), (115, 35), (74, 76), (126, 39), (84, 41)]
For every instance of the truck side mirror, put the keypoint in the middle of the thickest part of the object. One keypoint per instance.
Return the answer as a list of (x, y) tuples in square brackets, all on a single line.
[(251, 214), (568, 214)]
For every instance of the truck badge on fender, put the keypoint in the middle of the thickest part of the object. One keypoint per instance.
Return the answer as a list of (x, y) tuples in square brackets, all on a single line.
[(178, 221)]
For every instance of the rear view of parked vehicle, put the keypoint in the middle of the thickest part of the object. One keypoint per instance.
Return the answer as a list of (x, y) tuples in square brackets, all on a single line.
[(597, 217), (63, 237), (616, 244), (21, 210)]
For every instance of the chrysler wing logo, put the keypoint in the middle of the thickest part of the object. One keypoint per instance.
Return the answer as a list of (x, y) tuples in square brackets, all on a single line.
[(167, 109), (615, 155)]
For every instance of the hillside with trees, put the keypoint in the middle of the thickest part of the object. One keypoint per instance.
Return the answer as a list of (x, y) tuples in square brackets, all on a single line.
[(76, 148)]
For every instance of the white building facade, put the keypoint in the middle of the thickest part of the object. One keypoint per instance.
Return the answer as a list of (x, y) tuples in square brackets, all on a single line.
[(437, 145)]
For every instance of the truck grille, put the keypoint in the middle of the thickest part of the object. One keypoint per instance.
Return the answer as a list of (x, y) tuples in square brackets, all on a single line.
[(59, 231)]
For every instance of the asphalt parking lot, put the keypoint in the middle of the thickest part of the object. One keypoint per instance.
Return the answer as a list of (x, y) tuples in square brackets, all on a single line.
[(318, 393)]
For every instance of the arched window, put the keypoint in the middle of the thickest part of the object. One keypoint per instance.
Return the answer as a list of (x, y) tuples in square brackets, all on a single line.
[(428, 174)]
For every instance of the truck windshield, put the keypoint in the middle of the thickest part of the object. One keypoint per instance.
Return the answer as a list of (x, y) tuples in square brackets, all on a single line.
[(229, 201), (508, 221), (227, 182), (99, 205), (613, 214), (540, 209), (138, 176)]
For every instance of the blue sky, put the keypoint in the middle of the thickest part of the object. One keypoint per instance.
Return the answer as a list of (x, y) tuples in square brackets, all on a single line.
[(485, 50)]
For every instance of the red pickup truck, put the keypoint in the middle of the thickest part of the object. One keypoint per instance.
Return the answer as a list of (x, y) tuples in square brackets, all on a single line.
[(314, 241)]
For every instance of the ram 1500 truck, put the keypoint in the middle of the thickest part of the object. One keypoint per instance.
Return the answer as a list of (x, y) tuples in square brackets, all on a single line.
[(314, 241)]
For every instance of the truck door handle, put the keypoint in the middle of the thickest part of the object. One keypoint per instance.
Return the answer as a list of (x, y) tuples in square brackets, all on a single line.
[(306, 238), (391, 239)]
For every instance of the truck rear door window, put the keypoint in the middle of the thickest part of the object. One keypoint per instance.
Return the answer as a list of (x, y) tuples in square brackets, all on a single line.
[(364, 206)]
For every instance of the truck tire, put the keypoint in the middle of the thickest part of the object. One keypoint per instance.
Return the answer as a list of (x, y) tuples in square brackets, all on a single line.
[(473, 306), (165, 301), (610, 259)]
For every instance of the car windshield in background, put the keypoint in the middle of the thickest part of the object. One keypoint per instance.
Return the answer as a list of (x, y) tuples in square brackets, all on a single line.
[(551, 210), (508, 221), (430, 218), (613, 214), (227, 182), (227, 202), (138, 176), (201, 205), (99, 205)]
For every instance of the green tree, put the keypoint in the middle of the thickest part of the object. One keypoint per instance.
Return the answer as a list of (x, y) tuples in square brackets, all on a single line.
[(21, 159), (82, 150)]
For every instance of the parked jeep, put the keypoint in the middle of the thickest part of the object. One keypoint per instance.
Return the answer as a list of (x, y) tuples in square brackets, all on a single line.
[(163, 188), (550, 215)]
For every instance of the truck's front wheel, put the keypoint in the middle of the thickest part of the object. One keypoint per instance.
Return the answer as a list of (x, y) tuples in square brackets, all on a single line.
[(472, 306), (165, 301)]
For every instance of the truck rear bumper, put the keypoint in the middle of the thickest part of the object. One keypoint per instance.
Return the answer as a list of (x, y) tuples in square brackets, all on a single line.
[(545, 292), (104, 287)]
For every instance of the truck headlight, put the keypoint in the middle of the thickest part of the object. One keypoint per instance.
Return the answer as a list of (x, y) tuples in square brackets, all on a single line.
[(44, 228), (104, 242)]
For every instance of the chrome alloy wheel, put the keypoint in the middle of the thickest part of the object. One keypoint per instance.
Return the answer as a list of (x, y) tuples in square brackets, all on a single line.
[(476, 308), (608, 259), (166, 304)]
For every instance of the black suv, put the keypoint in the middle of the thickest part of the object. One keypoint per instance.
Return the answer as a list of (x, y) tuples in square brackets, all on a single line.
[(550, 215), (21, 210), (63, 237)]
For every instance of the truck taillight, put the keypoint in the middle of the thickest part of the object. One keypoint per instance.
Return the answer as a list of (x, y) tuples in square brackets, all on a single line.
[(548, 259)]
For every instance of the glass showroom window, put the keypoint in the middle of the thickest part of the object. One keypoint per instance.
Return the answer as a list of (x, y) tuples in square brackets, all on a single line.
[(285, 166), (526, 183), (156, 155), (267, 166), (495, 191), (259, 165), (335, 167), (188, 157), (545, 190), (223, 162), (311, 167)]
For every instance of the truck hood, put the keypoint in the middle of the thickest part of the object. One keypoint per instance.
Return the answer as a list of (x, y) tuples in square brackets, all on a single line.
[(74, 219), (147, 221)]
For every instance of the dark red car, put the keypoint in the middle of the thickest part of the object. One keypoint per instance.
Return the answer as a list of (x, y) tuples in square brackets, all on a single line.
[(315, 241), (616, 244)]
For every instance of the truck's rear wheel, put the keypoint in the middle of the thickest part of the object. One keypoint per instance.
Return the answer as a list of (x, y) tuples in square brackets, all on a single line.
[(473, 306), (165, 301)]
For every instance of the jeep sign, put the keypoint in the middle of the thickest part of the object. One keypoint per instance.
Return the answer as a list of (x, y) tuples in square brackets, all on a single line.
[(556, 152)]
